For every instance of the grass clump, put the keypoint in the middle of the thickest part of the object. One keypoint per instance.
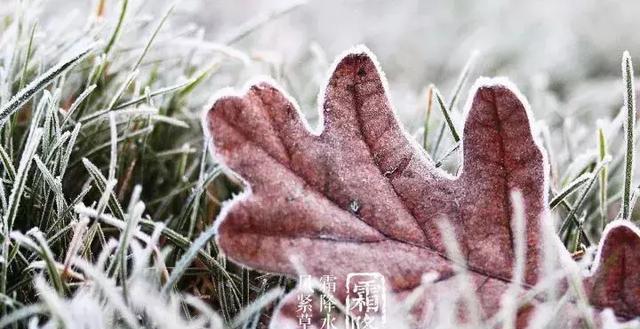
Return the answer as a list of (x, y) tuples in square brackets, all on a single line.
[(88, 117)]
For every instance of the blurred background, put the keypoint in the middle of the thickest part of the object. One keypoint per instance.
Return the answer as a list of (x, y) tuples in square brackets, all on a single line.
[(560, 43), (572, 48), (563, 44)]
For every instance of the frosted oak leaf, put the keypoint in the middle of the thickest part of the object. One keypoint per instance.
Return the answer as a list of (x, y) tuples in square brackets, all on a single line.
[(358, 195)]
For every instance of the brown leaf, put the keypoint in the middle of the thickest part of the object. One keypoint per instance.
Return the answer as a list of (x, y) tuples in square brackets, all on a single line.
[(361, 196), (615, 282)]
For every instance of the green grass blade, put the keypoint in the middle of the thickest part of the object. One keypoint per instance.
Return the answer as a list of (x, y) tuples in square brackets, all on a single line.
[(25, 94), (153, 37), (76, 104), (603, 179), (7, 163), (583, 195), (630, 105), (116, 32), (462, 79), (113, 159), (101, 184), (427, 119), (47, 255), (116, 97), (90, 117), (125, 239), (447, 117), (28, 54), (440, 161), (66, 156), (569, 189), (21, 178)]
